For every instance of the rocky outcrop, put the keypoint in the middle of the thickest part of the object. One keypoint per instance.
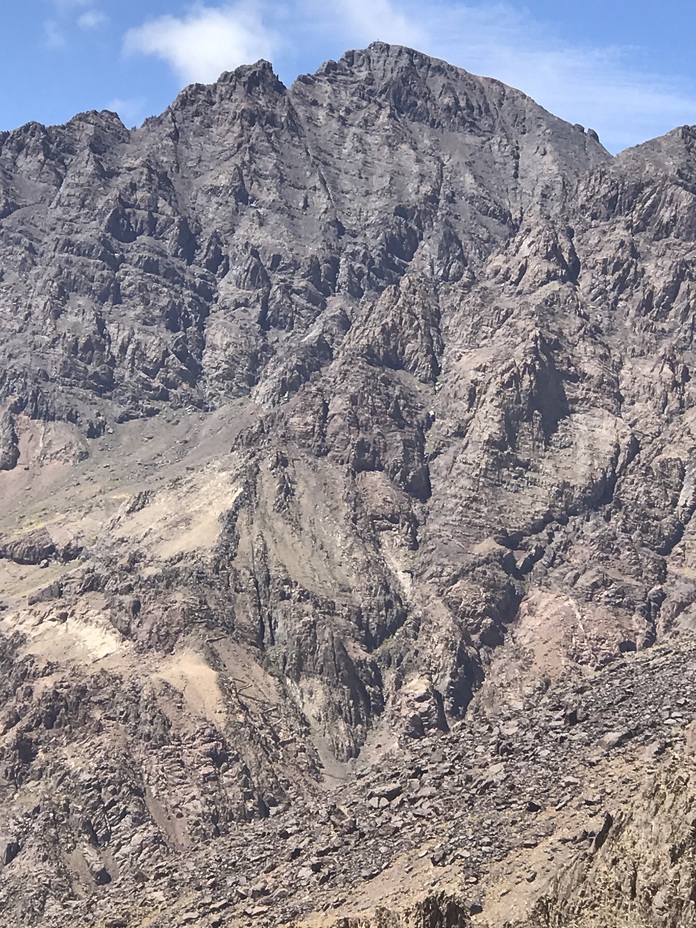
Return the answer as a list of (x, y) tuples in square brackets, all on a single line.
[(9, 443), (434, 912), (640, 866)]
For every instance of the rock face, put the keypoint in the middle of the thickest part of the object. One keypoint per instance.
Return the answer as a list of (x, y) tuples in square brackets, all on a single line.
[(348, 466)]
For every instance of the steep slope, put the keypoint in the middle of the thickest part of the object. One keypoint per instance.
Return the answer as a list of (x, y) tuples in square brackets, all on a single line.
[(346, 459)]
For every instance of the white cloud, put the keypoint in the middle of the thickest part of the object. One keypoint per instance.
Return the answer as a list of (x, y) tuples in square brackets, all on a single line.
[(130, 110), (206, 41), (368, 20), (91, 19), (53, 37)]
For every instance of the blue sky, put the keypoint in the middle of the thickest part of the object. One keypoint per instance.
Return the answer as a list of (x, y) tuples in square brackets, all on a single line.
[(623, 68)]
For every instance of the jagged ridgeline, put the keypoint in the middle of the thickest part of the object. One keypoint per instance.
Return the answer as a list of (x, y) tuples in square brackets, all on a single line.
[(347, 467)]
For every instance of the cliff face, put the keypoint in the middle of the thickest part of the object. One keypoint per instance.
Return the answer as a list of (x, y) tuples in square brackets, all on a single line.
[(347, 462)]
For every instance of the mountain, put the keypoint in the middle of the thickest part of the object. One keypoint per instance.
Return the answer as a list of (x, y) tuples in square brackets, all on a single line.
[(348, 466)]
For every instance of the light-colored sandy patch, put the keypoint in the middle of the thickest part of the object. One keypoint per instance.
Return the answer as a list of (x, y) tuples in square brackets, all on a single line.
[(18, 580), (180, 518), (198, 683), (41, 443), (85, 639), (518, 885), (547, 625), (48, 451), (172, 826), (247, 680), (399, 562), (556, 632), (551, 637)]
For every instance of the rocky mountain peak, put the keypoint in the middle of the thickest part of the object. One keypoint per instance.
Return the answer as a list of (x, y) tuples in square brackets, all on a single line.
[(672, 154), (244, 94), (251, 76)]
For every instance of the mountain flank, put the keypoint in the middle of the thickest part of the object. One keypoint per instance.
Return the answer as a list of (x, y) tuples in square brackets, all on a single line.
[(348, 472)]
